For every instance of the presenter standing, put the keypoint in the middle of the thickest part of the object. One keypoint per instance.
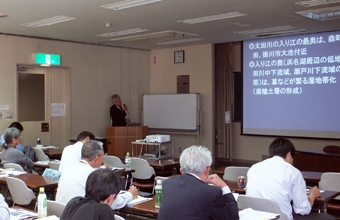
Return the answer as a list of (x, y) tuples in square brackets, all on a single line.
[(118, 112)]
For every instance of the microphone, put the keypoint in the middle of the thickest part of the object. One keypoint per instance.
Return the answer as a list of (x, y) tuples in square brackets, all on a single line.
[(124, 106)]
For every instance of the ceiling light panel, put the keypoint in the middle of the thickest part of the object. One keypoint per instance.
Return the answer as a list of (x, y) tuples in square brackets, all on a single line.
[(267, 30), (179, 41), (128, 4), (124, 32), (155, 37), (321, 14), (312, 3), (212, 18), (48, 21)]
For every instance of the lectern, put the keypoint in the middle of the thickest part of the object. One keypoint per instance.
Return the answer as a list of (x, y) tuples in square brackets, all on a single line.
[(119, 139)]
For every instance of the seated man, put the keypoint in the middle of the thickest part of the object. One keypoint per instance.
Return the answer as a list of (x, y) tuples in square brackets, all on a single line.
[(18, 126), (72, 181), (102, 186), (278, 180), (72, 153), (189, 196)]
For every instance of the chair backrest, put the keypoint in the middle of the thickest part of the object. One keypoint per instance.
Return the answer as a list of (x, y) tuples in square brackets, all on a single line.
[(161, 178), (117, 217), (55, 208), (13, 165), (41, 155), (54, 165), (20, 193), (113, 161), (142, 168), (260, 204), (332, 149), (232, 172), (330, 181)]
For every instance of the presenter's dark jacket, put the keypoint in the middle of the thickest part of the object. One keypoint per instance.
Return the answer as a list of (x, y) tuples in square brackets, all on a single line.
[(117, 116), (80, 208), (189, 198)]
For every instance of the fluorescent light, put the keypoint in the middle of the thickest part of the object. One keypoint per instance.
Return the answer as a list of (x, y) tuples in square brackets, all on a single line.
[(178, 41), (124, 32), (321, 14), (154, 37), (48, 21), (212, 18), (267, 30), (312, 3), (128, 4)]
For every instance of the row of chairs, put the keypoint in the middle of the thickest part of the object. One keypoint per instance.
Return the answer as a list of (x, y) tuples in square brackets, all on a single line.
[(22, 195)]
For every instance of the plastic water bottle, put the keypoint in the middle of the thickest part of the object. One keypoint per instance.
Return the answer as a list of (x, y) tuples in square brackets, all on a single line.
[(127, 161), (42, 203), (38, 141), (158, 189)]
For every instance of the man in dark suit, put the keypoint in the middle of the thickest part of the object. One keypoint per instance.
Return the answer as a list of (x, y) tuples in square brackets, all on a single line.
[(117, 112), (191, 197)]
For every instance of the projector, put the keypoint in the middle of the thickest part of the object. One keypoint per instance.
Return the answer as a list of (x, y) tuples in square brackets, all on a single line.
[(157, 138)]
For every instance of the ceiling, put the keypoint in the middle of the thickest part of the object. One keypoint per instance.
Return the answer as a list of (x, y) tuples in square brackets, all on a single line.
[(158, 17)]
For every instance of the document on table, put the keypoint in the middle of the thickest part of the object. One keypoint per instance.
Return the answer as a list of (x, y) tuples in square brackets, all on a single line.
[(252, 214), (140, 199), (17, 214)]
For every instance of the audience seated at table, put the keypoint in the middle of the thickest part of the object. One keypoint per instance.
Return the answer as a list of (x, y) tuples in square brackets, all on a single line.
[(277, 179), (73, 179), (102, 186), (4, 212), (72, 153), (18, 126), (12, 155), (189, 196)]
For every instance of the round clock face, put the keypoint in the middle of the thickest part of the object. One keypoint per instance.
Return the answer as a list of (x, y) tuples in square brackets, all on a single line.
[(179, 56)]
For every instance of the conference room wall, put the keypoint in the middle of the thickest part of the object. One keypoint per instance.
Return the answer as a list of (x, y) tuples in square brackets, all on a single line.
[(97, 72), (199, 66)]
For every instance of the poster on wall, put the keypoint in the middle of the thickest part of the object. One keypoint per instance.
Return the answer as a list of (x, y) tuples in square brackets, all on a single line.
[(58, 109)]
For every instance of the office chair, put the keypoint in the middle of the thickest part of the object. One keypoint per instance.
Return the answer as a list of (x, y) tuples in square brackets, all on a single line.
[(260, 204), (161, 178), (113, 161), (54, 165), (55, 208), (20, 193), (332, 149), (13, 165), (144, 175), (232, 172), (330, 181), (41, 155)]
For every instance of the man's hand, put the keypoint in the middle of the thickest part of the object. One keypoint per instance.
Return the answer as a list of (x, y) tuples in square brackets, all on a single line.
[(216, 180), (134, 191), (313, 194)]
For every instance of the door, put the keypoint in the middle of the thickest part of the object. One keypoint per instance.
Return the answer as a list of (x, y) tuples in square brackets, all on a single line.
[(56, 91)]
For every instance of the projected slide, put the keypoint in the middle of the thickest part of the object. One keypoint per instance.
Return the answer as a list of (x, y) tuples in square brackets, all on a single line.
[(291, 86)]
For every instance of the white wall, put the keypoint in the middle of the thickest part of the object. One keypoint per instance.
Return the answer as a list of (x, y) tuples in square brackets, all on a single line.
[(97, 72), (199, 66)]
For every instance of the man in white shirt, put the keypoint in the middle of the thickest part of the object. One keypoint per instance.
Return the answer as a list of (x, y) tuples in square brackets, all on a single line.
[(4, 212), (72, 153), (278, 180), (73, 180)]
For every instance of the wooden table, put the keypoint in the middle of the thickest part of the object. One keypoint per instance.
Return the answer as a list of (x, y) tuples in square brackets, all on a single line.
[(219, 171), (34, 182), (54, 153), (311, 176), (317, 160), (164, 164), (145, 209)]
